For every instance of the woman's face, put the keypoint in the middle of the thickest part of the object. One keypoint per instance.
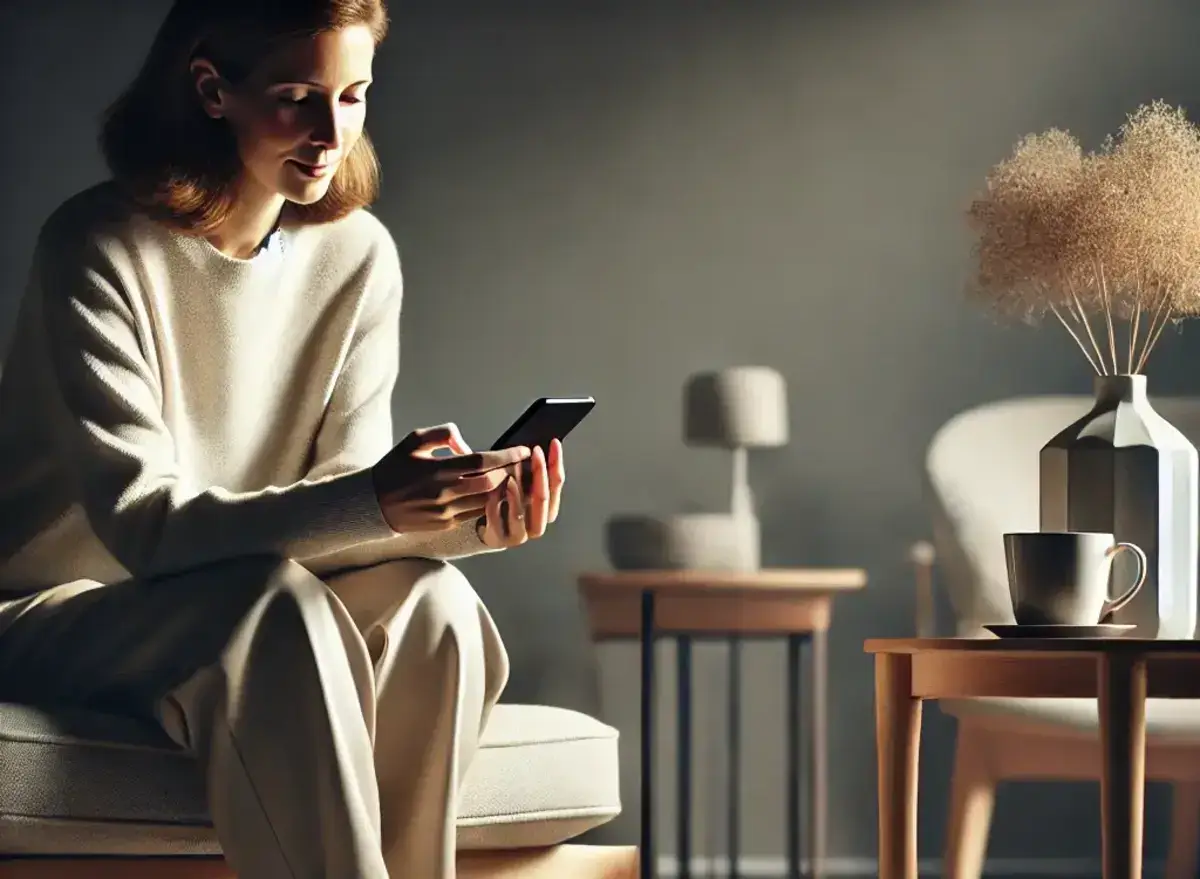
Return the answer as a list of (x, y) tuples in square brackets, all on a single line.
[(300, 112)]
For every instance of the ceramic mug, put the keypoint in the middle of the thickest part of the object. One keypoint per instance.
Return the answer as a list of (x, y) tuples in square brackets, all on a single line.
[(1062, 577)]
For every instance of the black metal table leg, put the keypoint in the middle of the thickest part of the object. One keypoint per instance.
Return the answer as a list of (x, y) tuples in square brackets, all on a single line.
[(683, 659), (735, 754), (818, 756), (794, 644), (647, 869)]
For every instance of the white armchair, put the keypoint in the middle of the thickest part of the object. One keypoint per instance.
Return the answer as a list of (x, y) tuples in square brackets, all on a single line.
[(981, 474)]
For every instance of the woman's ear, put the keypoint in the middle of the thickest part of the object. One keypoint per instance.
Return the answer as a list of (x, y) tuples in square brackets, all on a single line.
[(211, 89)]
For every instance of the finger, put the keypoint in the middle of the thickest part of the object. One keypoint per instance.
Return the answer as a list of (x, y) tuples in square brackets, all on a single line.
[(468, 506), (558, 475), (556, 459), (539, 495), (426, 440), (516, 515), (466, 486), (482, 462), (472, 516), (493, 529), (439, 436)]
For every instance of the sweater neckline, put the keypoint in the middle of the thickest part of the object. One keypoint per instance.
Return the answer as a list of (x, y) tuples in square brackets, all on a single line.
[(270, 253), (272, 245)]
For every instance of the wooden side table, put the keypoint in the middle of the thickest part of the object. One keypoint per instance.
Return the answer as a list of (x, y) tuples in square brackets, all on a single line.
[(793, 603), (1119, 672)]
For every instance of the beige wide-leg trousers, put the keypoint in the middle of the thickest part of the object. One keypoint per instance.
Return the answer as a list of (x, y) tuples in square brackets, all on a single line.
[(333, 719)]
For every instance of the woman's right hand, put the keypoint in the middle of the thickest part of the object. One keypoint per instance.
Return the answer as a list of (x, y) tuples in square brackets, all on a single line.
[(420, 492)]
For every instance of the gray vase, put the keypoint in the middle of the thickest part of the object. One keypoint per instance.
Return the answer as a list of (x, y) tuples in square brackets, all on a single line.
[(1123, 469)]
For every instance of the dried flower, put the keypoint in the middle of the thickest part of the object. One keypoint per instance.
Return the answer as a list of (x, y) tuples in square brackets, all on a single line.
[(1115, 233)]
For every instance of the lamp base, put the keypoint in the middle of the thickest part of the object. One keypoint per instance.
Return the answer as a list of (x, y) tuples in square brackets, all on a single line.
[(697, 541)]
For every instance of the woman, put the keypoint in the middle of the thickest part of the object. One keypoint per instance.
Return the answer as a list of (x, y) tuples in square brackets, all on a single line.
[(202, 517)]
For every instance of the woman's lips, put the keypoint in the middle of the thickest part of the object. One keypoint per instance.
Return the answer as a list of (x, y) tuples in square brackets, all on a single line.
[(313, 171)]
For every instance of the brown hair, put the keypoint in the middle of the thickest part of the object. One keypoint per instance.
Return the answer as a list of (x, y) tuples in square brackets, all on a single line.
[(181, 165)]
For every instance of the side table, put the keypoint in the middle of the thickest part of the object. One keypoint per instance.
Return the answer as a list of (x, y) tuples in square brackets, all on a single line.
[(1119, 672), (792, 603)]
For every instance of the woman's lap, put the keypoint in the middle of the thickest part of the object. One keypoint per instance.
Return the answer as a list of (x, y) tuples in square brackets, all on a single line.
[(120, 647)]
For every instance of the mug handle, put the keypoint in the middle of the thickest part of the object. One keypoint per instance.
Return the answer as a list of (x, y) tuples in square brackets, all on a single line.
[(1112, 605)]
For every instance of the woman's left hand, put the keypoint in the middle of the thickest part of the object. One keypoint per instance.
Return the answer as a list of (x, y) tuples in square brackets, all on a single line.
[(511, 518)]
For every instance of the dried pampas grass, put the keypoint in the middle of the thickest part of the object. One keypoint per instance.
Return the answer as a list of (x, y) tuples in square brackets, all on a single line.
[(1106, 242)]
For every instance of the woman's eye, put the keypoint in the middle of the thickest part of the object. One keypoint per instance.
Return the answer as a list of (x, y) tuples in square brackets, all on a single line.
[(298, 97)]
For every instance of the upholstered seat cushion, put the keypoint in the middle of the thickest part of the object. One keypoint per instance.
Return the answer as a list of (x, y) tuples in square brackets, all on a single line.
[(74, 782)]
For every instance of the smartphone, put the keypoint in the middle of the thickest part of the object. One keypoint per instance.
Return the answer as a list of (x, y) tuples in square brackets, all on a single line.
[(546, 419)]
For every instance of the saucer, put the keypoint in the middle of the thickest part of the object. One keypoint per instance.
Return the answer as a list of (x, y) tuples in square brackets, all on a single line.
[(1100, 630)]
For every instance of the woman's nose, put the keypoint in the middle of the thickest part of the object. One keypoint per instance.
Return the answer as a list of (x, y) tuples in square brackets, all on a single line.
[(325, 131)]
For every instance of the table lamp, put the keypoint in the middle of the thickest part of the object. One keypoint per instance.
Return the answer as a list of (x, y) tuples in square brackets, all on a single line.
[(739, 409)]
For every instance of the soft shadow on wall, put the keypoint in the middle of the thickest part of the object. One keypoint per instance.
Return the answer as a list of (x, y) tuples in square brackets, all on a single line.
[(707, 184)]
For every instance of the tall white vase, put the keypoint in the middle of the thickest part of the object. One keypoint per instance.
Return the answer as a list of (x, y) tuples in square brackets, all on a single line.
[(1122, 468)]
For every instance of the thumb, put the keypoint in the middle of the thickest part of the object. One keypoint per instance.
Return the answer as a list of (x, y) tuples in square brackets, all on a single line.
[(426, 440)]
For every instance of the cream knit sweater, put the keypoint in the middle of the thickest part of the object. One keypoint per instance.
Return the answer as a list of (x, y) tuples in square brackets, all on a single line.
[(165, 406)]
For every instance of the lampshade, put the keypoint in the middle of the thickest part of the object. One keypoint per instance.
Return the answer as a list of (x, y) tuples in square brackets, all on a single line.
[(740, 407)]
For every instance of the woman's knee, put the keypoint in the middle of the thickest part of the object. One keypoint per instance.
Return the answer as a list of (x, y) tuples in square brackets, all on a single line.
[(402, 587), (444, 591), (448, 601), (424, 600), (294, 614)]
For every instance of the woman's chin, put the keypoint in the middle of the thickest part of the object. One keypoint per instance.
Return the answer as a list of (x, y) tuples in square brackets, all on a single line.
[(305, 193), (301, 188)]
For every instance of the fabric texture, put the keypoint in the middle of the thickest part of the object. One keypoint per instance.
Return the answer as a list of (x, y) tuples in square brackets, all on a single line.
[(165, 406), (331, 724), (76, 782)]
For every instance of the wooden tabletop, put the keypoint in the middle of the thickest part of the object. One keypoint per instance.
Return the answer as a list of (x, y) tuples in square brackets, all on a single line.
[(1015, 646), (772, 601), (764, 580), (958, 668)]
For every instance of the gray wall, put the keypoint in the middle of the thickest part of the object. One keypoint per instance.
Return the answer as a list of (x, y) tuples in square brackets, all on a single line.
[(603, 198)]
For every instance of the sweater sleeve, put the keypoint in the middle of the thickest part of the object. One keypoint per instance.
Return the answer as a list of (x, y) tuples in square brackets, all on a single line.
[(111, 435), (357, 428)]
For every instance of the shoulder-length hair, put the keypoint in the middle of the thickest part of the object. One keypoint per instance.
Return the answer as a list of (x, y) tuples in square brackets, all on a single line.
[(182, 166)]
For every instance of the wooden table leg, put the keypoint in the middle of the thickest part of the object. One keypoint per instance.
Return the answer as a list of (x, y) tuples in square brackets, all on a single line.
[(898, 744), (1122, 692)]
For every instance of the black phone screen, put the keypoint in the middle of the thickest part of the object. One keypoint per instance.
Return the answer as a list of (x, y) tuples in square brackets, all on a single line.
[(546, 419)]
